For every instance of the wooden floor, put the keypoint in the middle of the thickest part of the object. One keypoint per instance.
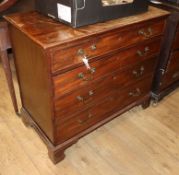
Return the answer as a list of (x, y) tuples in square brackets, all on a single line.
[(140, 142)]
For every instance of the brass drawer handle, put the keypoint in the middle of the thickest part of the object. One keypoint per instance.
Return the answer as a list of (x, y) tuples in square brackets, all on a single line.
[(175, 75), (139, 73), (80, 52), (147, 34), (82, 76), (83, 99), (143, 53), (80, 121), (93, 47), (136, 93), (91, 93)]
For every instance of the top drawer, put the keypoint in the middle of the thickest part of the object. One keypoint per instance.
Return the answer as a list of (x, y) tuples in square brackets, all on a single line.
[(69, 56)]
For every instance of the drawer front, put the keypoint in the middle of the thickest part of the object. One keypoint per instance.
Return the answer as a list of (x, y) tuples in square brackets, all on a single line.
[(176, 41), (67, 57), (116, 101), (172, 73), (71, 80), (83, 98)]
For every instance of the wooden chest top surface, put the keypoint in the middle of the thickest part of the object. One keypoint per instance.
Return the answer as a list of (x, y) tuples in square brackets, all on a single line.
[(48, 33)]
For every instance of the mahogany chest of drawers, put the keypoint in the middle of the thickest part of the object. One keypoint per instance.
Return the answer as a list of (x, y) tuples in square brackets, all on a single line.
[(74, 80)]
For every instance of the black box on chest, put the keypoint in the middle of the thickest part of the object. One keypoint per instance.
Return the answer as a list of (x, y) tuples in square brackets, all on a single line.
[(78, 13)]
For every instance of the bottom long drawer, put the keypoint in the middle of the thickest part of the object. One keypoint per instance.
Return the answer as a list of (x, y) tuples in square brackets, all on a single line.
[(113, 103)]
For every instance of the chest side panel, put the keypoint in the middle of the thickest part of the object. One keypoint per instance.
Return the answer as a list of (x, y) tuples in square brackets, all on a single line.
[(34, 81)]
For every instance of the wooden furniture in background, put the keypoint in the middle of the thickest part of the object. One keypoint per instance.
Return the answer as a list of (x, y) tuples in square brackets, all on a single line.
[(64, 99), (6, 7), (167, 74), (13, 6), (5, 4), (4, 46)]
